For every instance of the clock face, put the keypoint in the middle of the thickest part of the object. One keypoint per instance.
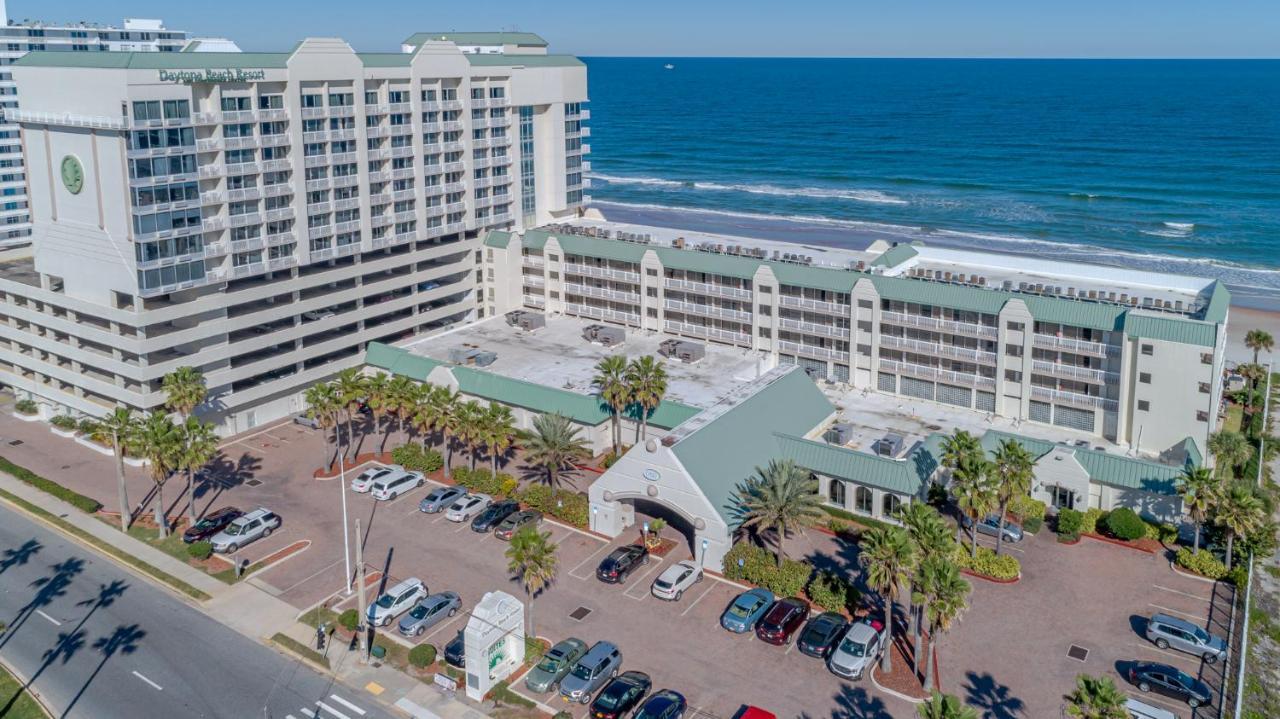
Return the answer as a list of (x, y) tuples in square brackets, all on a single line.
[(72, 174)]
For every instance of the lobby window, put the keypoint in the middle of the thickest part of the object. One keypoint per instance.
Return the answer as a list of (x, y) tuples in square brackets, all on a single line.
[(835, 492), (862, 500), (890, 505)]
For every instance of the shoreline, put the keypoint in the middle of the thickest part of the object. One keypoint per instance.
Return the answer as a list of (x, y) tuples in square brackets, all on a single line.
[(1251, 308)]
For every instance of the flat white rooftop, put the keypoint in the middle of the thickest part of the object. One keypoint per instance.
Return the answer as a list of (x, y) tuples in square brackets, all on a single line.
[(557, 356)]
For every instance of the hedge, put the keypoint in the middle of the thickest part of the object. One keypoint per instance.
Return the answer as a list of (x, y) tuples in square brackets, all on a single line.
[(26, 406), (1032, 525), (1202, 562), (1025, 507), (869, 522), (760, 567), (414, 457), (1124, 523), (64, 422), (1164, 533), (483, 481), (423, 655), (833, 592), (565, 505), (987, 563), (1089, 520), (85, 504)]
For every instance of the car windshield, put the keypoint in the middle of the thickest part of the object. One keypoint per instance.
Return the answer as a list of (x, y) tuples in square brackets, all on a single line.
[(234, 529), (652, 709), (582, 671), (386, 600), (418, 612), (205, 523), (612, 696), (744, 608), (853, 648), (550, 664), (1201, 635)]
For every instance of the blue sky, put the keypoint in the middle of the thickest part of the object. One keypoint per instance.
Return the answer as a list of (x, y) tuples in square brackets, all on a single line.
[(672, 28)]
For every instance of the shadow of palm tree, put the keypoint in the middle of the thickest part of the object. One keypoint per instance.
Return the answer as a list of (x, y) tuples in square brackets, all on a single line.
[(68, 644), (47, 589), (223, 473), (992, 699), (124, 640), (857, 703), (15, 556)]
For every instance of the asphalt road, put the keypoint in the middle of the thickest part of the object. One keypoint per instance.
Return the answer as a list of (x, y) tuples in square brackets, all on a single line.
[(99, 643)]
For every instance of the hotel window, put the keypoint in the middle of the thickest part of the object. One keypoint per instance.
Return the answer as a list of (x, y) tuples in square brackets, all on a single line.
[(1013, 375), (1206, 358), (1204, 388), (271, 102), (236, 104), (449, 93), (1144, 377), (177, 109), (146, 111), (398, 96), (1013, 350), (477, 93), (341, 99), (312, 101), (1144, 405), (1148, 350), (1015, 326), (862, 500), (1202, 416), (835, 492), (497, 92), (428, 95), (890, 505), (370, 97)]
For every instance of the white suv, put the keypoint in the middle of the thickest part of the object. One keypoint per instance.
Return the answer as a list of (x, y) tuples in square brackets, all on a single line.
[(390, 486), (396, 601), (365, 480), (248, 528), (675, 579)]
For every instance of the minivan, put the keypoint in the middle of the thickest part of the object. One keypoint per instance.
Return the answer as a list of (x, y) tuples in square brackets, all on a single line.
[(600, 664), (393, 485), (1171, 632)]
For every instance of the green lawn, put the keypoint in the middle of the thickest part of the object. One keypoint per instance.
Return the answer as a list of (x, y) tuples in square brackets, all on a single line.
[(1235, 416), (25, 707), (176, 548)]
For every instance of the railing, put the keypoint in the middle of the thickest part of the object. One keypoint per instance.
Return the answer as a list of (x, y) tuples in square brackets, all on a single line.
[(252, 268), (687, 328), (939, 374), (531, 261), (939, 324), (572, 268), (1085, 374), (275, 165), (707, 289), (211, 224), (1072, 398), (534, 280), (243, 193), (812, 350), (280, 238), (1073, 345), (601, 293), (813, 328), (937, 349), (535, 301), (602, 314), (707, 310)]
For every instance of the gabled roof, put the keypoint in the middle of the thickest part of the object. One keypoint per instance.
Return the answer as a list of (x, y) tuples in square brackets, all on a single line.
[(497, 238), (895, 255), (722, 453), (1037, 448), (586, 409), (1102, 467), (904, 476), (478, 38), (1182, 331)]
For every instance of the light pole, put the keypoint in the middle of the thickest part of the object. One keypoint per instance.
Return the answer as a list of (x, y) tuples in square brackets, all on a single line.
[(1262, 437), (346, 539)]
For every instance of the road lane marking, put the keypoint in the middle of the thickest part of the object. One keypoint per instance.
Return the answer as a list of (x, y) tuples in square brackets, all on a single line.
[(1195, 617), (331, 710), (347, 704), (55, 622), (309, 713), (574, 572), (1185, 594), (155, 686), (699, 599)]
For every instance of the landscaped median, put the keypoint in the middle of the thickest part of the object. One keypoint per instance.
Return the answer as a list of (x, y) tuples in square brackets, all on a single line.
[(26, 706)]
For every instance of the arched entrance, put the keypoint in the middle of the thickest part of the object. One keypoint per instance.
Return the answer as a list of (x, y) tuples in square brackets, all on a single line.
[(648, 510)]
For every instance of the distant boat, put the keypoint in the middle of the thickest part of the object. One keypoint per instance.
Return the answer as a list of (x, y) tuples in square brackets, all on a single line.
[(668, 66)]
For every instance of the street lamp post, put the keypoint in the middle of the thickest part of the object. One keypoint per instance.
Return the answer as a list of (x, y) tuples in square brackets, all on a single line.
[(346, 539), (1262, 438)]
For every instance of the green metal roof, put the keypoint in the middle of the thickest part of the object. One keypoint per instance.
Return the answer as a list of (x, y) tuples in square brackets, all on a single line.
[(478, 38), (904, 476), (895, 255), (1169, 329), (1037, 448), (586, 409), (156, 60), (729, 448), (510, 60), (385, 59), (1129, 473), (497, 238), (1219, 303)]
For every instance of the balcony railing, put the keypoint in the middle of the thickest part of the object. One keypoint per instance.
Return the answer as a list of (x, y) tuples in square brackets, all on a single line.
[(704, 288), (1067, 344), (686, 328), (535, 301), (812, 350), (571, 268), (602, 314), (813, 328), (535, 281), (937, 349), (702, 310), (1084, 374), (938, 324), (962, 379), (602, 293), (530, 261), (1073, 398)]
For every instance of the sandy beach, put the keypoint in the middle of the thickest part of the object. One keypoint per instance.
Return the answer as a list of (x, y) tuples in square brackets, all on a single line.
[(1240, 321)]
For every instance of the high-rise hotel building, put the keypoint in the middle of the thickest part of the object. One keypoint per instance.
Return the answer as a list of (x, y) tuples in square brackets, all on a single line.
[(263, 216)]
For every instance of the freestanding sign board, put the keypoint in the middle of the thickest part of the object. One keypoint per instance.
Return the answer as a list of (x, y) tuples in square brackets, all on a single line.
[(493, 641)]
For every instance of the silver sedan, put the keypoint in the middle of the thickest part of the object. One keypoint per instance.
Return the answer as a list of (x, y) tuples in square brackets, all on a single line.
[(428, 612)]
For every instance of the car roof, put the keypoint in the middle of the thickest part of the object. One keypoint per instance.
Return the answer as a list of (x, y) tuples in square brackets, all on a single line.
[(568, 644), (221, 511), (861, 631), (403, 585), (599, 651), (258, 513), (1175, 621)]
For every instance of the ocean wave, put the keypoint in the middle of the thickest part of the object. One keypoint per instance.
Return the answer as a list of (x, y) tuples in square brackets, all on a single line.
[(913, 232), (820, 193)]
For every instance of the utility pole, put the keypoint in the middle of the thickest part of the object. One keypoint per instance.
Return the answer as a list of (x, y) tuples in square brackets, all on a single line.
[(346, 540), (1262, 438), (365, 627)]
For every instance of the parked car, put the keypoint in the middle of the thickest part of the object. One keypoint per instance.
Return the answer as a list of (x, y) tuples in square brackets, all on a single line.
[(244, 530), (467, 507), (991, 525), (621, 562), (390, 486), (555, 664), (439, 499), (1171, 682), (364, 481), (821, 633), (455, 650), (211, 524), (666, 704), (313, 315), (597, 666), (493, 514), (1170, 632), (396, 601), (675, 579), (858, 649), (428, 612), (306, 420), (508, 527), (782, 620), (746, 610), (621, 694), (750, 712)]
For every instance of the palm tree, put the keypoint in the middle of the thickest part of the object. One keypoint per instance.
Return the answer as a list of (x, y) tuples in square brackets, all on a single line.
[(930, 537), (1096, 698), (611, 384), (887, 559), (1259, 340), (350, 386), (1239, 511), (1231, 449), (158, 440), (945, 706), (974, 492), (1012, 471), (959, 446), (402, 399), (444, 410), (323, 406), (554, 445), (377, 394), (1199, 489), (532, 560), (782, 496), (120, 425), (647, 379), (197, 444), (946, 598), (184, 390), (470, 431), (499, 432)]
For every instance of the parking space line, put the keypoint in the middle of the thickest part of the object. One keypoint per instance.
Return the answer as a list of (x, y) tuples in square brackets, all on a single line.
[(1147, 697), (699, 599), (1185, 594), (52, 621), (1194, 617), (446, 623), (574, 572), (155, 686), (642, 582), (1185, 658)]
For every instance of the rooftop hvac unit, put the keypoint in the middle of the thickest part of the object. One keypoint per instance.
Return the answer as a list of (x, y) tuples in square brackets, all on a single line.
[(840, 434), (603, 334), (463, 355), (889, 445), (530, 321), (484, 359)]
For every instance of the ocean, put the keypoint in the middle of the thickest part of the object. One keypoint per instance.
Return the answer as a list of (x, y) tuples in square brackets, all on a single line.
[(1172, 166)]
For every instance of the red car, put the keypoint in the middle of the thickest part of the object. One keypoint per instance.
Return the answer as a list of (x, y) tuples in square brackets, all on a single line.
[(783, 619), (754, 713)]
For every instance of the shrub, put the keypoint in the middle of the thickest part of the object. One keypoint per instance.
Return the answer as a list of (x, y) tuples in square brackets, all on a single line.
[(1202, 562), (1124, 523), (64, 422), (88, 427), (833, 592), (423, 655), (26, 406), (1239, 575), (1089, 522), (1161, 532), (1032, 525), (414, 457), (1069, 522), (507, 485), (988, 563), (199, 550), (937, 495), (760, 567), (609, 459), (88, 505), (869, 522), (1025, 507), (562, 715), (565, 505), (349, 620)]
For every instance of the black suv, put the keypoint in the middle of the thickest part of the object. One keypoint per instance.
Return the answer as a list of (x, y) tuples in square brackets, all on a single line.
[(621, 694), (1171, 682), (821, 633), (494, 514), (621, 562), (455, 650)]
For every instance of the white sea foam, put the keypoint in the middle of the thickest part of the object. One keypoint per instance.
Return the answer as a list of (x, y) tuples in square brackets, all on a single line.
[(1183, 226), (824, 193)]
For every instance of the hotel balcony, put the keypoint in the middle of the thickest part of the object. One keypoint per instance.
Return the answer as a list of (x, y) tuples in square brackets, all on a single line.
[(242, 194), (703, 288), (903, 319), (603, 293), (830, 308), (937, 349), (535, 281), (946, 376), (1073, 398), (1066, 344), (686, 328), (813, 328), (809, 350), (602, 314), (1073, 372), (531, 261), (703, 310), (534, 301), (571, 268)]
